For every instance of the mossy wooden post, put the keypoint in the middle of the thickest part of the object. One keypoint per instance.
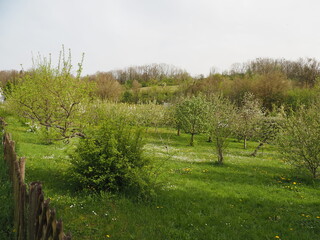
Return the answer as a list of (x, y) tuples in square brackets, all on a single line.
[(22, 167), (22, 212), (34, 197)]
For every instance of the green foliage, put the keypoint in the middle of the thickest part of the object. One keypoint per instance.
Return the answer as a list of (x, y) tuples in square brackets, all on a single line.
[(127, 97), (52, 97), (110, 158), (159, 94), (268, 128), (192, 115), (298, 97), (222, 123), (147, 115), (249, 115), (300, 139)]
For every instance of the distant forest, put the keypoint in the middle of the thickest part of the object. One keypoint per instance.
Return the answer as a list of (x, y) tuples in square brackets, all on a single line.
[(275, 82)]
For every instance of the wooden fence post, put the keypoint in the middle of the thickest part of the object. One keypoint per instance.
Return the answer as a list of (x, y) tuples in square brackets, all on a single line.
[(33, 219)]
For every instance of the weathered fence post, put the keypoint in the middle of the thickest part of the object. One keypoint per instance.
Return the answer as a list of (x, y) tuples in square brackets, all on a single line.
[(33, 219)]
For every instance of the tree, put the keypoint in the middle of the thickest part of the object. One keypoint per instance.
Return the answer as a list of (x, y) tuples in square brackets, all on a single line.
[(192, 115), (300, 139), (108, 88), (249, 115), (267, 130), (271, 88), (52, 96), (222, 123)]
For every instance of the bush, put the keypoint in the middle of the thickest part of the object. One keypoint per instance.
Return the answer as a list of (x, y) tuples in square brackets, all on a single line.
[(110, 158)]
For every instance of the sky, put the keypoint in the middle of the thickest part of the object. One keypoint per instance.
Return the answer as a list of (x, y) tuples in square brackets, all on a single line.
[(194, 35)]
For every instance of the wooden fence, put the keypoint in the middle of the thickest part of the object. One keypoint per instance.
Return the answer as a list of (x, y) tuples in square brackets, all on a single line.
[(33, 218)]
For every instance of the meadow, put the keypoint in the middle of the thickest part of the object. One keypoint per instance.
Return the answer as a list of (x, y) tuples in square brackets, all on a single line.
[(246, 198)]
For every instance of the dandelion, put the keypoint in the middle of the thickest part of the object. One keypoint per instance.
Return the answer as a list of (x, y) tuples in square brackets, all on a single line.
[(317, 216), (107, 235), (277, 237), (294, 183)]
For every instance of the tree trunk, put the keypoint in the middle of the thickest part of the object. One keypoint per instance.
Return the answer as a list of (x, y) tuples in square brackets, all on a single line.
[(191, 140), (314, 172), (219, 151), (254, 154), (209, 139), (220, 156), (245, 143), (178, 131)]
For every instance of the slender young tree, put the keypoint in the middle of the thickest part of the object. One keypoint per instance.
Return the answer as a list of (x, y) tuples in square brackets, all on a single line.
[(249, 115), (222, 123), (192, 115), (52, 96)]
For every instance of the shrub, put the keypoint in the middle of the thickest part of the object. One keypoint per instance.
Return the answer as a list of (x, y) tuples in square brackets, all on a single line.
[(110, 158)]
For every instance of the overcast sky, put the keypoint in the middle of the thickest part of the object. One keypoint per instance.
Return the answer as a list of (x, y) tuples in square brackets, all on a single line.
[(194, 35)]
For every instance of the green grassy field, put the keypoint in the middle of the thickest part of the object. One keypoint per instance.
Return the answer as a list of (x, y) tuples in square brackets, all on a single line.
[(246, 198)]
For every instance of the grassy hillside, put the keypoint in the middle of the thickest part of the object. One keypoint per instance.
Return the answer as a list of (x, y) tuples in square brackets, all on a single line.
[(247, 198)]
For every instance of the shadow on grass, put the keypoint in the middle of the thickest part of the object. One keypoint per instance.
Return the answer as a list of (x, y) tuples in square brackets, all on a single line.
[(240, 174), (53, 180)]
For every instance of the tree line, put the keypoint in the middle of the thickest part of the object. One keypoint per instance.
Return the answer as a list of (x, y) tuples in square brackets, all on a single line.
[(275, 82)]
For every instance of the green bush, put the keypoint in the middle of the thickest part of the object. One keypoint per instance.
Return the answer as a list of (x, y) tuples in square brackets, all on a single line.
[(110, 158), (298, 97)]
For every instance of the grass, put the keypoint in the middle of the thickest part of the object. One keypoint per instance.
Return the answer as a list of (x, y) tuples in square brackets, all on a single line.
[(246, 198)]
